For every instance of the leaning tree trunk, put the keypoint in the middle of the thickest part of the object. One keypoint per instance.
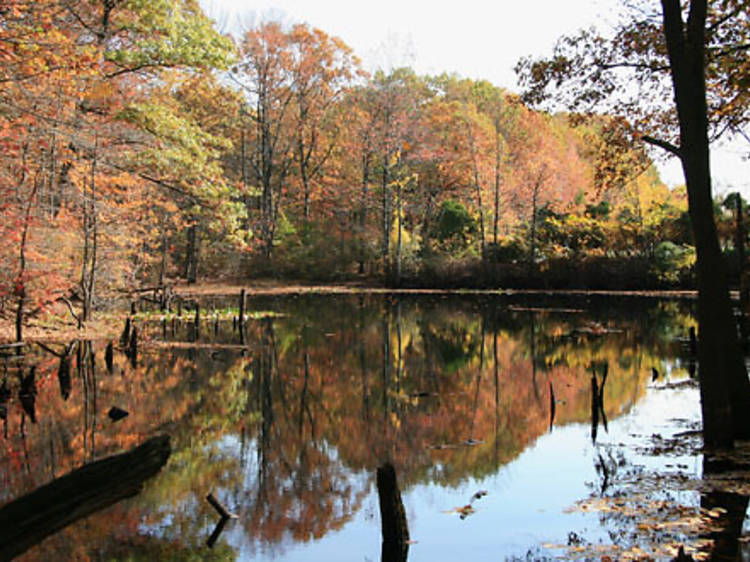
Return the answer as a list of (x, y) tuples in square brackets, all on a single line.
[(725, 389)]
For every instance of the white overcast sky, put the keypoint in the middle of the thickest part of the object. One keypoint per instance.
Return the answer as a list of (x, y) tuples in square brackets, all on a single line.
[(480, 39)]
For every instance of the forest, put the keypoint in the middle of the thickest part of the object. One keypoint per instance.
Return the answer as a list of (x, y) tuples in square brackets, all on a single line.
[(326, 278), (142, 147)]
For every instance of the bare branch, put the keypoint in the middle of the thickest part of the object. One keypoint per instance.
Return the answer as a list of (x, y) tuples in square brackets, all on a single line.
[(668, 146)]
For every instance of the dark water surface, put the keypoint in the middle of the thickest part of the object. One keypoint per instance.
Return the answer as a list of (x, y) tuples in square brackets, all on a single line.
[(462, 394)]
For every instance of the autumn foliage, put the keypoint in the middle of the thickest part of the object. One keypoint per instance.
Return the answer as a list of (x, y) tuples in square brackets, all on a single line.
[(141, 146)]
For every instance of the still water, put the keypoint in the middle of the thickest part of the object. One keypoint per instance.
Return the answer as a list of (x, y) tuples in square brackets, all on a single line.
[(498, 415)]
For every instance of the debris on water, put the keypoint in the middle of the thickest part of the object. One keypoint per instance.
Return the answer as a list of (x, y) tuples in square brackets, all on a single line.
[(479, 495), (468, 509)]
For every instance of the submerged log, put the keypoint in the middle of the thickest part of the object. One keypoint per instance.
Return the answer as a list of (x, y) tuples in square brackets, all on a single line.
[(29, 519)]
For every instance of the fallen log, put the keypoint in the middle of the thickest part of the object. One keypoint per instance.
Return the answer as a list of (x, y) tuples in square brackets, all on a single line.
[(27, 520), (7, 348)]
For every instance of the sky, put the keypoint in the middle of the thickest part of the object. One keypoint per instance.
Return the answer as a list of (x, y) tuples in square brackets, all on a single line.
[(479, 39)]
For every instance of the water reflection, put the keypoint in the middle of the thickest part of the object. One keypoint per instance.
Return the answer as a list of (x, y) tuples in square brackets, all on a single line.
[(286, 416)]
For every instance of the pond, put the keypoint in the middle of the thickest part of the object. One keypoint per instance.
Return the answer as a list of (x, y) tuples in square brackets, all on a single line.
[(499, 415)]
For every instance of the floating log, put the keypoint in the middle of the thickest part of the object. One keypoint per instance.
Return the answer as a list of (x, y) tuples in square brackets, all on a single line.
[(29, 519)]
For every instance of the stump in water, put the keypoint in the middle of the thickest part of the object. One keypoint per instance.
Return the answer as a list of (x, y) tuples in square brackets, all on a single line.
[(27, 394), (109, 358), (29, 519), (197, 321), (133, 347), (125, 336), (241, 317), (392, 516), (63, 376)]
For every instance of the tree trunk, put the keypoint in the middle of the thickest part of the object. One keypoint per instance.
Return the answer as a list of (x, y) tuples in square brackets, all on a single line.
[(399, 237), (163, 264), (724, 386), (20, 287), (496, 217), (534, 210), (363, 212), (740, 240), (191, 254), (90, 244), (478, 192), (386, 218)]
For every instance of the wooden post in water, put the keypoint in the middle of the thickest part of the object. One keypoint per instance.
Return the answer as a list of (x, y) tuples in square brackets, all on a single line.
[(392, 516)]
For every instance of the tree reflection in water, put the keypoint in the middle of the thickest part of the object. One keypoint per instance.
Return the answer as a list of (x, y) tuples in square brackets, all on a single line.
[(288, 430)]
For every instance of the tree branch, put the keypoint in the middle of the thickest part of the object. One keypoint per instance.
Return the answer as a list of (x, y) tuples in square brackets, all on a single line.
[(668, 146), (635, 65), (71, 309)]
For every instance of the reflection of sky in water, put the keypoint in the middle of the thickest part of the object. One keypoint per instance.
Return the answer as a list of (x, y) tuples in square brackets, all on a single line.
[(413, 380), (526, 502)]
